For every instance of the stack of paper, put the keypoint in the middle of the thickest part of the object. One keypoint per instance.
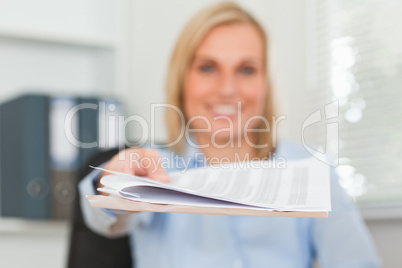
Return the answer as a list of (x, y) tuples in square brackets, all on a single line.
[(296, 189)]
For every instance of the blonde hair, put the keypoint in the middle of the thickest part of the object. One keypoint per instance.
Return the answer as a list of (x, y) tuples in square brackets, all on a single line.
[(195, 31)]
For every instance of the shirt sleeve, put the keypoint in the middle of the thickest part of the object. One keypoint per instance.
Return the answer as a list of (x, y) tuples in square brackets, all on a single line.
[(107, 222), (343, 240)]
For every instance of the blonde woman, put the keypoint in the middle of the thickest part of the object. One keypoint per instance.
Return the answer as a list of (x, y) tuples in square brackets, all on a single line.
[(218, 79)]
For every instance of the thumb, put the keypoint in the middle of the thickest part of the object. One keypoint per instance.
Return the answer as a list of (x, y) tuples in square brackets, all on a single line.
[(154, 169), (159, 174)]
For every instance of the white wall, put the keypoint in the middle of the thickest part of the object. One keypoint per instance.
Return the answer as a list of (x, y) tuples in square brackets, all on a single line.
[(49, 68), (56, 47)]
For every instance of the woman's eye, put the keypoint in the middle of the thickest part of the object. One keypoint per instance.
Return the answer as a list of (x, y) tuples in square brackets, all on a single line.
[(206, 68), (247, 70)]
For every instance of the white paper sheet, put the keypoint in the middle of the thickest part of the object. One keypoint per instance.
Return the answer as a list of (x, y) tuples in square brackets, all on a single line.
[(301, 185)]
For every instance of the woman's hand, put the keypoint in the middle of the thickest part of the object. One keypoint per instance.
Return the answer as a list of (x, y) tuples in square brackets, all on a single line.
[(139, 162)]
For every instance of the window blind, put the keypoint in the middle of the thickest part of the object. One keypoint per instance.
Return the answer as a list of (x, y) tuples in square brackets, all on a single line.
[(354, 55)]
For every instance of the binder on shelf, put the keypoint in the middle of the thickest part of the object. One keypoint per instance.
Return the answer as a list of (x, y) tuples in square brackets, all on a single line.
[(24, 168), (111, 134), (64, 156), (88, 128), (44, 141)]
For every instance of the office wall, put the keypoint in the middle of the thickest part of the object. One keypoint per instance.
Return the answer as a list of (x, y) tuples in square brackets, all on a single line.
[(56, 47)]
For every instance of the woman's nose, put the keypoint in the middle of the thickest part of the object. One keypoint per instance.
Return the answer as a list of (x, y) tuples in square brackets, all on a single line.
[(227, 87)]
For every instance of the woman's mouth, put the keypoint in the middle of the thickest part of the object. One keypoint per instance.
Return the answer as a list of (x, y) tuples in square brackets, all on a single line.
[(225, 109)]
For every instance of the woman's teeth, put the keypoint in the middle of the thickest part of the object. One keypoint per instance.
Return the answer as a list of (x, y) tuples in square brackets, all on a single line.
[(225, 109)]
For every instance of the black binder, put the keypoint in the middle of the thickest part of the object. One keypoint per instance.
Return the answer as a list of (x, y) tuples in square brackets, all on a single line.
[(88, 128), (25, 190)]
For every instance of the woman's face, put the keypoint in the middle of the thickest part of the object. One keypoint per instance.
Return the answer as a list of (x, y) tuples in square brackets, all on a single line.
[(225, 85)]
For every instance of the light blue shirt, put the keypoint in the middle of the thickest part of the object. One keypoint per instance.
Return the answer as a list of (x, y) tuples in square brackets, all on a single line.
[(191, 240)]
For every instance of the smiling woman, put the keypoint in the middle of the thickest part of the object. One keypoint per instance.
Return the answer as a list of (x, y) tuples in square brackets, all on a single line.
[(218, 79), (218, 72), (225, 85)]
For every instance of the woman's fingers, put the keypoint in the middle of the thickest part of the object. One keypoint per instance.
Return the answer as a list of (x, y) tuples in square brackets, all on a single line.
[(153, 166), (139, 162)]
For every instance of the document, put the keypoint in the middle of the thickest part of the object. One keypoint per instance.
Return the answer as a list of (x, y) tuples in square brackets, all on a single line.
[(300, 188)]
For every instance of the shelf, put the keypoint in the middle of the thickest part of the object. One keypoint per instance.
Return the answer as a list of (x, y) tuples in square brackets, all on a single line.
[(91, 41), (18, 226)]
